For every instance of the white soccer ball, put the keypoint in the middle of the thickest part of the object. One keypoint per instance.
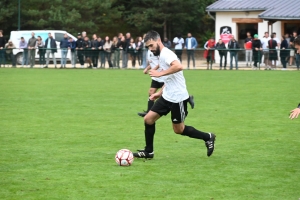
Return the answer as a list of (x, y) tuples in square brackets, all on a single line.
[(124, 157)]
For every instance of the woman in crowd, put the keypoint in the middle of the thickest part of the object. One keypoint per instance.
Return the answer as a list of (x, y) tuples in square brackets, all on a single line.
[(132, 51), (284, 53), (139, 50), (115, 51), (41, 46), (107, 51)]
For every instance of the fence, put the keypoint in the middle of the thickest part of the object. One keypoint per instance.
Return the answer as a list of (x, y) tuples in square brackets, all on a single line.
[(115, 59)]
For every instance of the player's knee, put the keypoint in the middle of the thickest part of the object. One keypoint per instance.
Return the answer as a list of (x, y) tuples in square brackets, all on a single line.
[(178, 130), (148, 120)]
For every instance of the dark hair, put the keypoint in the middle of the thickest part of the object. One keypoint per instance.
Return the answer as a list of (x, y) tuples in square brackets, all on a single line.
[(297, 41), (272, 35), (22, 37), (152, 35)]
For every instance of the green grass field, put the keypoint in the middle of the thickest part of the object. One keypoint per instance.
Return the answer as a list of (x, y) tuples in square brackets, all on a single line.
[(60, 130)]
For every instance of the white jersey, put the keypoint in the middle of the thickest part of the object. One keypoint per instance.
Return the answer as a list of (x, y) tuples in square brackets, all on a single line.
[(175, 88), (153, 62)]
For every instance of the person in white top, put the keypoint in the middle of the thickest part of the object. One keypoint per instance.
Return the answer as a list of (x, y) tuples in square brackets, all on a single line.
[(264, 42), (156, 82), (179, 42), (172, 98)]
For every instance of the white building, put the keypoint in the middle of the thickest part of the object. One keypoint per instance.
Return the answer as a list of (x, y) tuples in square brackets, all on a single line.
[(255, 16)]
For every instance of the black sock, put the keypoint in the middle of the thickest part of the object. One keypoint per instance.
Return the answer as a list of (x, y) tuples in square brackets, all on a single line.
[(194, 133), (149, 137), (150, 104)]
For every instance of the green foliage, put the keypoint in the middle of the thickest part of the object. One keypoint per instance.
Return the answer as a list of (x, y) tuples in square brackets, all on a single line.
[(108, 17)]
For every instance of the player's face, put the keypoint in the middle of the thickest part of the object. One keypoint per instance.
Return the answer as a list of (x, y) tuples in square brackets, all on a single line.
[(153, 47)]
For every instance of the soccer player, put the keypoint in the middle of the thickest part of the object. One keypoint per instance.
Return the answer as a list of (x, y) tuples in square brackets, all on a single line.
[(295, 113), (156, 83), (172, 98)]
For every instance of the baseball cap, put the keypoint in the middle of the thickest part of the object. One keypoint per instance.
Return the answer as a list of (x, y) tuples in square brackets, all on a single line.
[(255, 36)]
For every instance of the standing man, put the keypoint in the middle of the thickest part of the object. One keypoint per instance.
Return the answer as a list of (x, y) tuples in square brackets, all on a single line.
[(167, 43), (2, 51), (79, 48), (264, 42), (297, 52), (23, 45), (125, 50), (233, 46), (178, 42), (221, 47), (191, 44), (172, 98), (257, 48), (95, 52), (248, 47), (273, 56), (31, 49), (72, 47), (64, 45), (51, 48)]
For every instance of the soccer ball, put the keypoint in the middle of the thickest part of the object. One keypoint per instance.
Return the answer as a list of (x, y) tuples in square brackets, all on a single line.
[(124, 157)]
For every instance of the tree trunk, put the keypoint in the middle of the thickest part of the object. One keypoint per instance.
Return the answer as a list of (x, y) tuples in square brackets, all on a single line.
[(165, 30)]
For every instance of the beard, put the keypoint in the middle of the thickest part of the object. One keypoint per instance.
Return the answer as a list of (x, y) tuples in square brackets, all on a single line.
[(157, 51)]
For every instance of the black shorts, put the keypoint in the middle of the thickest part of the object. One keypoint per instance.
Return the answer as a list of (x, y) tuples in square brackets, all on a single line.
[(178, 110), (156, 84)]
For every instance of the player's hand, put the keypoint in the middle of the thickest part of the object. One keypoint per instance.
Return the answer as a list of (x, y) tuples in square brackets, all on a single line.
[(295, 113), (155, 96), (154, 73), (145, 71)]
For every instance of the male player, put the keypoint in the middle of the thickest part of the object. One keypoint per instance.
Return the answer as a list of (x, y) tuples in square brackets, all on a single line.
[(296, 112), (172, 98), (156, 83)]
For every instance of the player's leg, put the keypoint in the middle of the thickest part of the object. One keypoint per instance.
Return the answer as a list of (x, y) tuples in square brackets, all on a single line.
[(178, 115), (160, 108)]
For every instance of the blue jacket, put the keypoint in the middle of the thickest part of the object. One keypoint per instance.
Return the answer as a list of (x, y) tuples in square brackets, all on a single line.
[(72, 45), (64, 43), (194, 42)]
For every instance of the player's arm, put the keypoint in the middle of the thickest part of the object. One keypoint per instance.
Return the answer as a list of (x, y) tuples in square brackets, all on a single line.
[(147, 69), (175, 66), (295, 113), (157, 94)]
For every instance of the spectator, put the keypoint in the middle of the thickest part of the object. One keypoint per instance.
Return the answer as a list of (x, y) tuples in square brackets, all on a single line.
[(95, 51), (64, 44), (87, 49), (23, 45), (233, 46), (264, 42), (139, 50), (178, 42), (9, 52), (222, 52), (257, 49), (278, 46), (120, 35), (79, 48), (297, 52), (272, 44), (132, 51), (83, 34), (191, 44), (125, 52), (167, 43), (41, 51), (72, 48), (284, 52), (101, 52), (107, 51), (209, 52), (288, 40), (51, 48), (2, 51), (248, 47), (31, 49), (115, 52), (145, 50)]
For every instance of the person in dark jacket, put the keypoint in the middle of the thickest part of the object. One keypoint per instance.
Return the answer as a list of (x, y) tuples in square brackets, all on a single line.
[(167, 43), (64, 44), (2, 51), (233, 45), (72, 47), (273, 56), (101, 52), (257, 51), (220, 46), (284, 52), (94, 51), (79, 48), (87, 49), (51, 47)]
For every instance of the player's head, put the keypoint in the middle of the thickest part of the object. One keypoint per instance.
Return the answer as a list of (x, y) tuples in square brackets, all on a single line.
[(153, 42), (297, 43)]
